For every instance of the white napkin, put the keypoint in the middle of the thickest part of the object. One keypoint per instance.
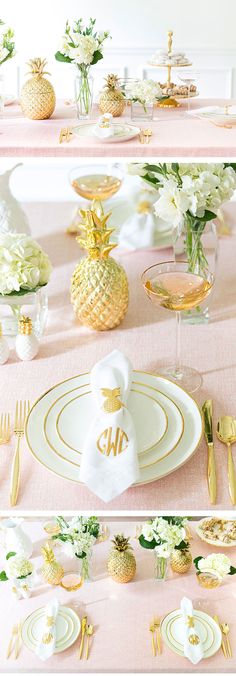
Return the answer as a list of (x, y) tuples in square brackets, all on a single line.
[(104, 127), (47, 641), (193, 651), (142, 228), (109, 462)]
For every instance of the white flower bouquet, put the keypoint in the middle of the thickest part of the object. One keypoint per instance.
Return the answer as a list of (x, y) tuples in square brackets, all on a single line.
[(78, 537), (164, 534), (145, 92), (188, 196), (214, 564), (7, 44), (82, 46), (24, 266), (21, 573)]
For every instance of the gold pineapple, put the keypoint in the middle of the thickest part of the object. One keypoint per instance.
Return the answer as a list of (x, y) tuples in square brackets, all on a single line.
[(99, 285), (181, 560), (37, 97), (112, 99), (121, 564), (52, 571)]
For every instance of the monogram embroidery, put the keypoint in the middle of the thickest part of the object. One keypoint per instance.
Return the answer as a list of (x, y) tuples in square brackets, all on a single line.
[(194, 639), (50, 621), (47, 638), (108, 443), (190, 621), (112, 401)]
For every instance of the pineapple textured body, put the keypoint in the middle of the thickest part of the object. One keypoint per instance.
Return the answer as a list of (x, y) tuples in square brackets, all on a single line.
[(121, 563), (37, 96), (99, 285), (181, 561), (52, 571), (112, 99)]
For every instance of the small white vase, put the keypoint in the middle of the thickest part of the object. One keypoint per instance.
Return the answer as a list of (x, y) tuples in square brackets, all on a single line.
[(12, 216), (15, 539)]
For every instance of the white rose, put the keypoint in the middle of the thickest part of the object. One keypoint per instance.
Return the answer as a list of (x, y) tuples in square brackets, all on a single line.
[(172, 204), (215, 563)]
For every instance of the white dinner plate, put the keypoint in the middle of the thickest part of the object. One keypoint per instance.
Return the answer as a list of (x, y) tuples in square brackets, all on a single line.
[(216, 114), (59, 420), (204, 625), (122, 132), (67, 628), (212, 541)]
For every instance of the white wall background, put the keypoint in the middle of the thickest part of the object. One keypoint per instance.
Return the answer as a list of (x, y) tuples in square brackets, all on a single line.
[(204, 28)]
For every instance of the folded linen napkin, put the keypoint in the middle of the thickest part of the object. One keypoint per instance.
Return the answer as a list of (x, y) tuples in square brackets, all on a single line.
[(109, 462), (193, 648), (104, 127), (47, 641), (142, 228)]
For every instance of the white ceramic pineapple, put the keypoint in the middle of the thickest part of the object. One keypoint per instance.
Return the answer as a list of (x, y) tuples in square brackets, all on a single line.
[(12, 216), (27, 345), (4, 348), (14, 537)]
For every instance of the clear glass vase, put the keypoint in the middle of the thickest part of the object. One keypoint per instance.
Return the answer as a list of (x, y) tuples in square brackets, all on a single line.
[(1, 94), (141, 113), (86, 568), (160, 567), (200, 249), (33, 305), (84, 94)]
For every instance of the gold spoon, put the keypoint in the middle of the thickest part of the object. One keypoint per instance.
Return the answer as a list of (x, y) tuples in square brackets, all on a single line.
[(225, 630), (226, 432), (89, 632)]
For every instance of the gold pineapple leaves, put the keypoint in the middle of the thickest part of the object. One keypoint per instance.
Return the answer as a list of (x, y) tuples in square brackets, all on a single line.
[(37, 67), (96, 235)]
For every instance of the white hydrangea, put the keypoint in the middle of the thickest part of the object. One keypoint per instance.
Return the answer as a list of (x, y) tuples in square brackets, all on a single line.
[(144, 91), (163, 550), (84, 50), (167, 535), (202, 187), (18, 566), (215, 563), (23, 263)]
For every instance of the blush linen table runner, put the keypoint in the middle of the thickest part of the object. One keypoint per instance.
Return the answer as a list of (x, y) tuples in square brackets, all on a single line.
[(121, 613), (147, 337), (175, 134)]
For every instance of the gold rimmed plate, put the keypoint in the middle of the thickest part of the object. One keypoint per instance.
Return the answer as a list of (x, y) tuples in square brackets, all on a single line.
[(67, 628), (206, 628), (155, 466)]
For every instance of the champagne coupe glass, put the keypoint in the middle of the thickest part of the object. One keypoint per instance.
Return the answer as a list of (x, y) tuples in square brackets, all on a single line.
[(188, 78), (172, 286), (95, 183)]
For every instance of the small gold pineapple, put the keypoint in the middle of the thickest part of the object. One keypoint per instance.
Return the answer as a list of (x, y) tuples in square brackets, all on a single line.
[(52, 571), (181, 560), (37, 97), (121, 563), (112, 99), (99, 285)]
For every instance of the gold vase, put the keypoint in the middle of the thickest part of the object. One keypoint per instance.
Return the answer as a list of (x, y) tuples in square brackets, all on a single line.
[(209, 580), (181, 561)]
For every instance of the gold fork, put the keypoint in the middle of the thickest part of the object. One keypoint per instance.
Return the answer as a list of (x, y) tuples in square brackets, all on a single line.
[(225, 630), (157, 623), (153, 630), (22, 410), (14, 633), (145, 135), (18, 641), (65, 134), (5, 428)]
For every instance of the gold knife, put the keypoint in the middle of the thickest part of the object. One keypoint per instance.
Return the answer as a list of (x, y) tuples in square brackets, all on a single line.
[(211, 464)]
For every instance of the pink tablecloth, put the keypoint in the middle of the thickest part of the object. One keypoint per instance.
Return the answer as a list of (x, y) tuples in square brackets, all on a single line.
[(148, 338), (121, 614), (174, 134)]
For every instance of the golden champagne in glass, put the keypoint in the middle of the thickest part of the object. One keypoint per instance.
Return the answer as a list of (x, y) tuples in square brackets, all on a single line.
[(95, 183)]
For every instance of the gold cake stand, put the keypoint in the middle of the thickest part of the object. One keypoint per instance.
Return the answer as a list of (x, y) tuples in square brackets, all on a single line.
[(172, 101)]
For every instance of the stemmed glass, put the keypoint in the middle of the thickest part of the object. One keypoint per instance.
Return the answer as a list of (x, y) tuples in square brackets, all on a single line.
[(96, 183), (172, 286), (188, 78)]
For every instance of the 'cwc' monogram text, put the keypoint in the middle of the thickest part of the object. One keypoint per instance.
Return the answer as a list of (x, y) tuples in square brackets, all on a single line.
[(112, 442)]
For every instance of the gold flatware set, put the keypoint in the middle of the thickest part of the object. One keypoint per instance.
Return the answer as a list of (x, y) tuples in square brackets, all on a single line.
[(225, 643), (156, 636), (145, 135), (226, 433), (15, 642), (87, 631), (66, 134), (21, 413)]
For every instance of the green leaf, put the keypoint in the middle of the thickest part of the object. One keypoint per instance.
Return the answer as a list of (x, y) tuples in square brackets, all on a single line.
[(232, 570), (81, 556), (182, 545), (8, 556), (61, 57), (3, 576), (96, 57), (196, 561), (22, 292), (147, 545)]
